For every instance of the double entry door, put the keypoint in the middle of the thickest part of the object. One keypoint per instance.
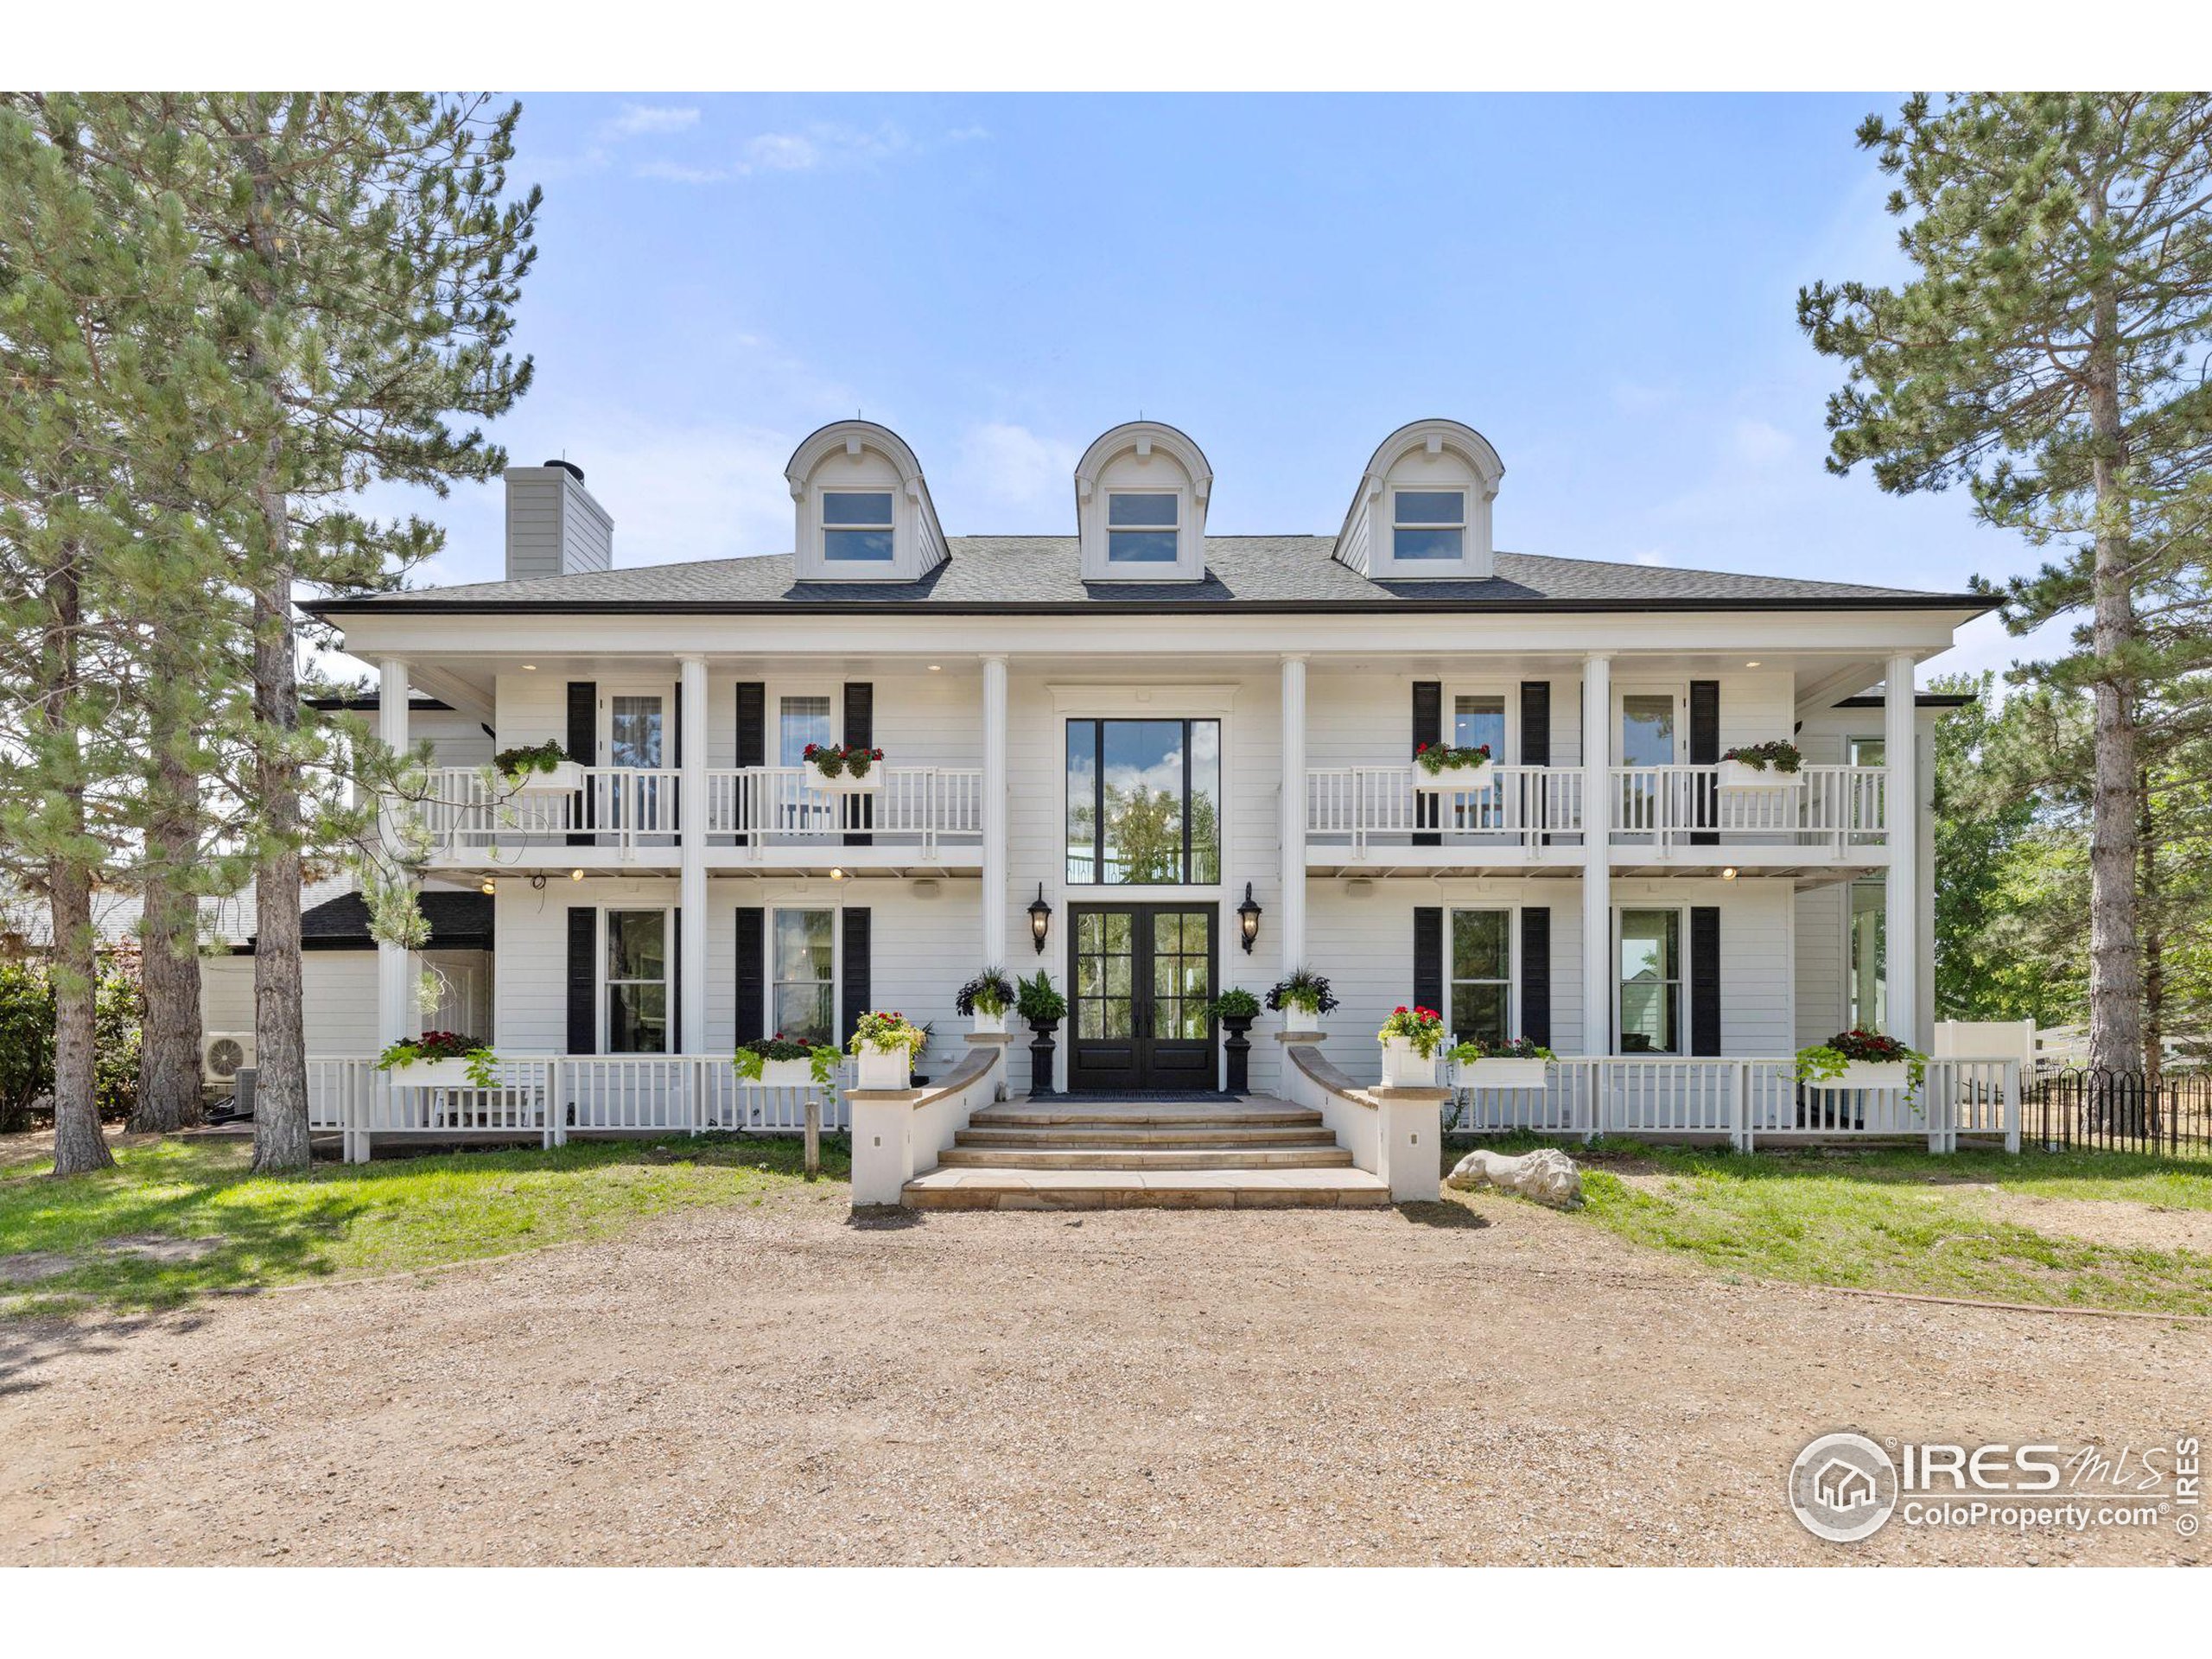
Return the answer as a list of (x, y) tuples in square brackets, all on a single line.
[(1139, 979)]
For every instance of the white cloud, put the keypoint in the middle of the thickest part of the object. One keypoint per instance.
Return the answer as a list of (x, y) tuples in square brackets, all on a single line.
[(1761, 442), (819, 147), (638, 120), (1010, 464)]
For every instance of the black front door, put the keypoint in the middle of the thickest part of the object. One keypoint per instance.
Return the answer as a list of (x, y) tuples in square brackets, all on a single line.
[(1140, 978)]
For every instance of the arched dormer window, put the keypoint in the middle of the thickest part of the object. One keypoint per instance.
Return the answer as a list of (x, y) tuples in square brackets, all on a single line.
[(1141, 494), (862, 508), (1423, 508)]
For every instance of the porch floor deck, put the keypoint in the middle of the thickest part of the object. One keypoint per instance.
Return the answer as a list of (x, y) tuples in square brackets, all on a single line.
[(1064, 1151)]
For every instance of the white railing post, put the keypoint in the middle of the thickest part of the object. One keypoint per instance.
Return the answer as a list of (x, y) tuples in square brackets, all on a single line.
[(2011, 1106), (556, 1111)]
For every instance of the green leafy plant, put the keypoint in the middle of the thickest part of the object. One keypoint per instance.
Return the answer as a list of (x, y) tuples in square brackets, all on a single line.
[(1235, 1004), (751, 1058), (1824, 1062), (26, 1041), (1038, 1002), (1782, 754), (990, 994), (521, 762), (1302, 990), (831, 759), (1513, 1048), (1435, 758), (884, 1032), (1422, 1027)]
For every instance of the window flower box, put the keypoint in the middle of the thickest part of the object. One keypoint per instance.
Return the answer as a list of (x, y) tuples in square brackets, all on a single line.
[(1442, 769), (845, 784), (1764, 767), (434, 1074), (1869, 1074), (565, 777), (1501, 1074), (851, 770), (786, 1074)]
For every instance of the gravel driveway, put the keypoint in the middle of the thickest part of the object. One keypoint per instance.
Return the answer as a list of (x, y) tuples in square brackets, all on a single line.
[(1485, 1383)]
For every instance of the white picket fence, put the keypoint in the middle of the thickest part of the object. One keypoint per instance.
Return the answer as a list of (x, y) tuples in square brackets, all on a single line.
[(1744, 1101), (558, 1096)]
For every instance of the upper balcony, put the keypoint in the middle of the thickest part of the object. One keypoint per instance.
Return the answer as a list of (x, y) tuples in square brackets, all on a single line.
[(1830, 819), (758, 819)]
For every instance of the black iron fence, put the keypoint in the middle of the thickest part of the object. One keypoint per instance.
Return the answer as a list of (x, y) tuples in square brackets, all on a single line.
[(2118, 1111)]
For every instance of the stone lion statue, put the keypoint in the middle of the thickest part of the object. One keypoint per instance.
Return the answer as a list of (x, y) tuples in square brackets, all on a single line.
[(1548, 1176)]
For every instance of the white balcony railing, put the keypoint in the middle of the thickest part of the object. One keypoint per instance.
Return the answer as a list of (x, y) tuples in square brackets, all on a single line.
[(1522, 806), (1830, 807), (917, 806), (633, 809), (1666, 805)]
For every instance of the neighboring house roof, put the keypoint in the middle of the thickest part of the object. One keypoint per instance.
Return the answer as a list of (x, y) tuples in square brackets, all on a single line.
[(1921, 700), (1041, 574), (459, 921)]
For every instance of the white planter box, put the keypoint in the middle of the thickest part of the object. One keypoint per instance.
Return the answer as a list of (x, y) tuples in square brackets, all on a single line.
[(1870, 1074), (990, 1025), (884, 1068), (844, 782), (1404, 1069), (1451, 780), (433, 1074), (1737, 774), (1503, 1074), (786, 1074), (566, 779)]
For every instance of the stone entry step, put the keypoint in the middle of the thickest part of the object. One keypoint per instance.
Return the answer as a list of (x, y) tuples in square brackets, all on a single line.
[(1327, 1156), (1086, 1135), (989, 1188), (1148, 1115)]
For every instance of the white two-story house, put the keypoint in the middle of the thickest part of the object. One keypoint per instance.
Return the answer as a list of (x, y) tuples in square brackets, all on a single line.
[(1157, 764)]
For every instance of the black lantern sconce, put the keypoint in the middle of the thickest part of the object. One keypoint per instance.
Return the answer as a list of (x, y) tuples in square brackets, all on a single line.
[(1041, 920), (1248, 917)]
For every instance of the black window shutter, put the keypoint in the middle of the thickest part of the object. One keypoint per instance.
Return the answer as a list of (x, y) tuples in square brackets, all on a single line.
[(583, 746), (676, 723), (1428, 728), (1536, 974), (854, 971), (1536, 723), (752, 749), (583, 980), (750, 1007), (1704, 979), (860, 729), (1705, 751), (1429, 955), (675, 983)]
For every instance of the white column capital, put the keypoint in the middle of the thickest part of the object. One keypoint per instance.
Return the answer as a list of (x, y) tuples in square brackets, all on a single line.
[(1289, 657), (691, 658)]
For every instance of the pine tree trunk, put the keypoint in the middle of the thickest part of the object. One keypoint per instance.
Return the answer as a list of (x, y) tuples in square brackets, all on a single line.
[(280, 1102), (79, 1145), (2154, 954), (2116, 798), (168, 1052)]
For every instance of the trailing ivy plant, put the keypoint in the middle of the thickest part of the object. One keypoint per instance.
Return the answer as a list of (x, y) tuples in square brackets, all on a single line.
[(1513, 1048), (1824, 1062), (1435, 758), (443, 1046), (751, 1058)]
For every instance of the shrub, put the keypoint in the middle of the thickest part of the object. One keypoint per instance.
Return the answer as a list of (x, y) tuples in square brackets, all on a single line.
[(26, 1042)]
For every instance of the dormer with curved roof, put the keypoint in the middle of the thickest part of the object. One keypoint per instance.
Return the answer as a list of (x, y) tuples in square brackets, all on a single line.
[(1422, 512), (862, 508), (1140, 495)]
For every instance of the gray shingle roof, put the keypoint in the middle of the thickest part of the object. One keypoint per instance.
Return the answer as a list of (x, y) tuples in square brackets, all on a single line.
[(1019, 573)]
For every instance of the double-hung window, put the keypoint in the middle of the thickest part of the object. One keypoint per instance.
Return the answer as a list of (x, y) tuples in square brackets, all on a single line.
[(802, 976), (1428, 523), (856, 525), (637, 982), (1651, 982), (1482, 975), (1142, 526)]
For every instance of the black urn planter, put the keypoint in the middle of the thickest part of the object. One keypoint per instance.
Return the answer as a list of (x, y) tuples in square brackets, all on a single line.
[(1040, 1055), (1238, 1047)]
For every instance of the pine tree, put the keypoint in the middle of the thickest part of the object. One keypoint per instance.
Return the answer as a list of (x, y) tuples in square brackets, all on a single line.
[(2046, 355)]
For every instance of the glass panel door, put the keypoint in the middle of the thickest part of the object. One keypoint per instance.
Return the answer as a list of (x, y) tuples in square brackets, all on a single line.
[(1143, 977), (1651, 982), (634, 725), (1649, 738)]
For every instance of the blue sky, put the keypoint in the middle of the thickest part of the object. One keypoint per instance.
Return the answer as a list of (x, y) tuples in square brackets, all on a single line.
[(1604, 286)]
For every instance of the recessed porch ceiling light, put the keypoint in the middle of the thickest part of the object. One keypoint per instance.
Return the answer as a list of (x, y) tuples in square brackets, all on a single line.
[(490, 887), (575, 876), (530, 668), (1728, 873), (937, 668), (836, 875), (1750, 664)]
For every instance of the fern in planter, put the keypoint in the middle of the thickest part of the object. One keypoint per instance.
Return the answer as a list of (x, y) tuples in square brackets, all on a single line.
[(1235, 1004), (1038, 1003)]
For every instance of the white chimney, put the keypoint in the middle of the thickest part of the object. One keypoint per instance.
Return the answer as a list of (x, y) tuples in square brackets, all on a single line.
[(554, 526)]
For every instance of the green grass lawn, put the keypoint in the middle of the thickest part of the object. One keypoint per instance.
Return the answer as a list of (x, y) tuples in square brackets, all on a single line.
[(349, 1221), (1902, 1220)]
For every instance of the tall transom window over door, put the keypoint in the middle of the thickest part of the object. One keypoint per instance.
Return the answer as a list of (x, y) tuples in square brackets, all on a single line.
[(856, 525), (1144, 802), (1142, 525), (1428, 523)]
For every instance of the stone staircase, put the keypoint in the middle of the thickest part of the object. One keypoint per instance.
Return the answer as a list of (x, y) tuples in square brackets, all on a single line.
[(1082, 1152)]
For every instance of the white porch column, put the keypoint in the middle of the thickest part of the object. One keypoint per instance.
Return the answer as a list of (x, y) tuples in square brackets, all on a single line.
[(1597, 855), (1901, 945), (692, 881), (995, 811), (1290, 924), (397, 1016)]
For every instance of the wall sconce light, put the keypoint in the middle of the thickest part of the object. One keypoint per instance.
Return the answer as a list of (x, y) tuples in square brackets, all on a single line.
[(1248, 917), (1041, 918)]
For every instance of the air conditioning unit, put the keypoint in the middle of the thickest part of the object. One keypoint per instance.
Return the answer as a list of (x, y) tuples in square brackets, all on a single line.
[(222, 1052)]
